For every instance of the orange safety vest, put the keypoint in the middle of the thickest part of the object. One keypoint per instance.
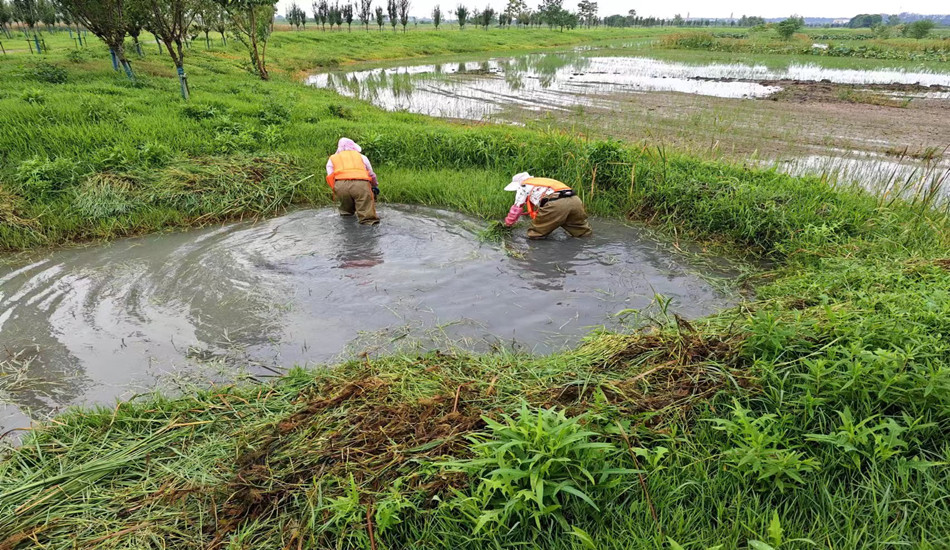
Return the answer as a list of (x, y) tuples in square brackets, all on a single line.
[(541, 182), (347, 165)]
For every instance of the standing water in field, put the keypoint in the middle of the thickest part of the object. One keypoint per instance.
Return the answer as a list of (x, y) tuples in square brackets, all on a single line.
[(817, 124), (561, 81), (92, 324)]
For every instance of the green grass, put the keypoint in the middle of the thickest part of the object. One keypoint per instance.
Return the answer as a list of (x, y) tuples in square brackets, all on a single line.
[(816, 415)]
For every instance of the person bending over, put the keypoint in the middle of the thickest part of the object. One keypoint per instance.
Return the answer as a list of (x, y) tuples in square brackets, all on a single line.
[(351, 177), (550, 204)]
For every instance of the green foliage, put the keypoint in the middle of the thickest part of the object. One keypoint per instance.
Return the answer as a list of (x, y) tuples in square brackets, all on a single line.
[(919, 29), (759, 450), (530, 468), (40, 178), (788, 27), (49, 73)]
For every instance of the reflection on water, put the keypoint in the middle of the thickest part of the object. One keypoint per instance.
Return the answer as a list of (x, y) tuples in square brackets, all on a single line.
[(480, 89), (89, 325), (558, 81)]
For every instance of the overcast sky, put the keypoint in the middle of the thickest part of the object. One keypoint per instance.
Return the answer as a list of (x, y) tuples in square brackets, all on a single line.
[(698, 8)]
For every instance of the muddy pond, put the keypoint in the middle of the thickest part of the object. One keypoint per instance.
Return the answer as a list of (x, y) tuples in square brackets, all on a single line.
[(179, 310), (869, 126)]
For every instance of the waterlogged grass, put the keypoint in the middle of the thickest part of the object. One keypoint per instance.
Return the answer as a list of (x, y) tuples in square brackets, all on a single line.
[(816, 415)]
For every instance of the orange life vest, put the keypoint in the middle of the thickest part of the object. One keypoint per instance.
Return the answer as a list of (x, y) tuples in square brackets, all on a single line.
[(347, 165), (541, 182)]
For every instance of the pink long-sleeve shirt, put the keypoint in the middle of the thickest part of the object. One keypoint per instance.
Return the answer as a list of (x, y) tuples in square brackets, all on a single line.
[(366, 164)]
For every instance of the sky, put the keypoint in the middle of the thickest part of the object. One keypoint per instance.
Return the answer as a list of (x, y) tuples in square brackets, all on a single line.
[(698, 8)]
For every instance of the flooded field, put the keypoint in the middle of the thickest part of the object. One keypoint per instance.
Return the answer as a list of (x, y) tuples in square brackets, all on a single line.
[(92, 324), (804, 118)]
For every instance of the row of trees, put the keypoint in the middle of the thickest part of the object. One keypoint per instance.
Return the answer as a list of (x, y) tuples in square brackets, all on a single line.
[(336, 15), (550, 12), (170, 21)]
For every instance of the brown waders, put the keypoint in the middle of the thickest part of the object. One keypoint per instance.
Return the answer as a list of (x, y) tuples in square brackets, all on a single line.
[(356, 197), (566, 212)]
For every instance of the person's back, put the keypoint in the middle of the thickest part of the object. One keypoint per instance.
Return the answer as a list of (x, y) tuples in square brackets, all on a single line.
[(354, 184)]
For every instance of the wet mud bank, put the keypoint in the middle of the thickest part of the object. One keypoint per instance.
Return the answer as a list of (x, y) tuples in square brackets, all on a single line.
[(90, 325)]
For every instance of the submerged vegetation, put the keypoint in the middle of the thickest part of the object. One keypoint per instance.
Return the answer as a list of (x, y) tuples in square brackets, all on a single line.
[(816, 415)]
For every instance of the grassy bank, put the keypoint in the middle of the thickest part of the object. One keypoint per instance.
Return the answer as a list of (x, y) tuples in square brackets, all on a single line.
[(816, 416)]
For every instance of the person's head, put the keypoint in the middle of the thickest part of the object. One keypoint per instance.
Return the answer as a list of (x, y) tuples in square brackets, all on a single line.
[(347, 144), (517, 181)]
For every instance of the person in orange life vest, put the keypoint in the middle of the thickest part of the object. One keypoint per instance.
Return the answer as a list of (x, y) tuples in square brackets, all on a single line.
[(550, 203), (353, 181)]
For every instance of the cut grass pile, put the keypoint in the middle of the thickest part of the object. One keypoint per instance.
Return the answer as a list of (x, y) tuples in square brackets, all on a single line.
[(815, 416)]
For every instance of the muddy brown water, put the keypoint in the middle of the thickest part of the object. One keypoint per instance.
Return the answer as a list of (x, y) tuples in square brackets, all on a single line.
[(179, 310)]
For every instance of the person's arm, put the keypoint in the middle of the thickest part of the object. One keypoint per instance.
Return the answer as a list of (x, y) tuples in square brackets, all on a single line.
[(329, 166), (369, 168), (517, 209)]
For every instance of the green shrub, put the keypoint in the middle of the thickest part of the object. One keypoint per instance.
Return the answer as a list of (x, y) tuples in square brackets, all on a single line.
[(40, 177), (759, 451), (49, 73), (530, 467)]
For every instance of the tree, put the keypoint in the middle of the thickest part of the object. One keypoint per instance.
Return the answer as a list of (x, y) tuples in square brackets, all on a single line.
[(253, 22), (137, 17), (46, 11), (437, 16), (169, 21), (404, 13), (366, 12), (865, 20), (27, 12), (348, 16), (294, 16), (461, 14), (893, 20), (106, 20), (788, 27), (587, 11), (514, 9), (380, 17), (206, 13), (6, 17), (486, 16), (321, 13), (549, 11), (392, 12), (919, 29), (221, 23), (524, 17), (336, 16)]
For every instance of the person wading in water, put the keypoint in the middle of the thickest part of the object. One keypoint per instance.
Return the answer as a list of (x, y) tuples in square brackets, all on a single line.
[(353, 181), (550, 203)]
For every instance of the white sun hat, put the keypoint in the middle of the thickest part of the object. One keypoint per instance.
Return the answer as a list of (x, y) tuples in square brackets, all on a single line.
[(517, 181)]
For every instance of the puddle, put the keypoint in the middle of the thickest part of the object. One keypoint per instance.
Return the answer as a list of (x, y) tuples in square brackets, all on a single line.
[(559, 81), (95, 324)]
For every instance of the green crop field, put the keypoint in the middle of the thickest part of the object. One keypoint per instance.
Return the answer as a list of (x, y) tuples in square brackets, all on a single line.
[(814, 415)]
